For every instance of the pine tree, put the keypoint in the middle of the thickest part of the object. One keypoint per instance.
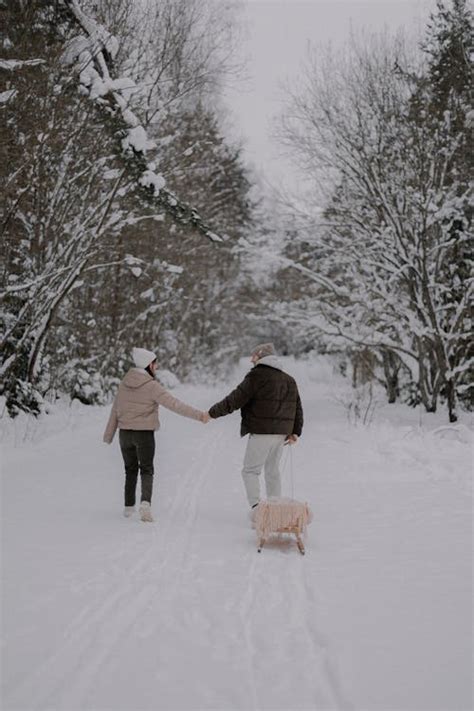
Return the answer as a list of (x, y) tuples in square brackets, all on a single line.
[(448, 47), (448, 95)]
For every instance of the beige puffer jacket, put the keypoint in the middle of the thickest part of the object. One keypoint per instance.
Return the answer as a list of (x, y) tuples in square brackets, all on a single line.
[(136, 404)]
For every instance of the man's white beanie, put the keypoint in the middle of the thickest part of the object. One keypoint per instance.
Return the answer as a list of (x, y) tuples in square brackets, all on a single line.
[(263, 349), (142, 357)]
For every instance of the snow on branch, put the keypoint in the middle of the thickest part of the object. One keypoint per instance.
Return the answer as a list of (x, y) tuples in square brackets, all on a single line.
[(285, 262), (92, 53), (9, 65), (7, 95)]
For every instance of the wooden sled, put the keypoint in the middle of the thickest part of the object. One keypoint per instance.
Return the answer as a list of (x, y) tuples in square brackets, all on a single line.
[(282, 516), (287, 529)]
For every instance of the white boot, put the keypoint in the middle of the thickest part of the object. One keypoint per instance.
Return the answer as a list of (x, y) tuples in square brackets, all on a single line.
[(128, 511), (145, 511)]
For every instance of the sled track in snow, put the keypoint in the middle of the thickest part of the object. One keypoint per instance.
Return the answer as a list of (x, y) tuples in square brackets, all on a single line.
[(303, 643), (321, 646), (94, 633)]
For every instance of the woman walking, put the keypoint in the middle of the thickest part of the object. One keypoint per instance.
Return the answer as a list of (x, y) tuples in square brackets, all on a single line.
[(135, 414)]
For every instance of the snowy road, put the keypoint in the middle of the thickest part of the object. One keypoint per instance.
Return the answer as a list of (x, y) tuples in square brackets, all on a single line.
[(100, 612)]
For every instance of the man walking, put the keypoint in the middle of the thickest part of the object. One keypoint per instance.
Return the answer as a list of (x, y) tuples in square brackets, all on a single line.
[(271, 414)]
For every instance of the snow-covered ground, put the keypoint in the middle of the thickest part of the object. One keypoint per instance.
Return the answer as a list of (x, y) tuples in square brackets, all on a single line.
[(101, 612)]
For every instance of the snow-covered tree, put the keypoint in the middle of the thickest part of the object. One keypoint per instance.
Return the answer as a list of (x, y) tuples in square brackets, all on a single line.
[(176, 296), (82, 180), (386, 269), (57, 204)]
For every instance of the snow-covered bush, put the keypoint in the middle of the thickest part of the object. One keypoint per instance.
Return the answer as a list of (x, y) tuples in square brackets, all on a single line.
[(89, 388), (168, 379)]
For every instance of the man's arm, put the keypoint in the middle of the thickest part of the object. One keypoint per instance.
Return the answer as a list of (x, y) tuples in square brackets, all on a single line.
[(298, 426), (235, 400)]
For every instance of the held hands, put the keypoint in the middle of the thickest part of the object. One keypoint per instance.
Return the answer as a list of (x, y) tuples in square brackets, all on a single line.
[(291, 439), (205, 418)]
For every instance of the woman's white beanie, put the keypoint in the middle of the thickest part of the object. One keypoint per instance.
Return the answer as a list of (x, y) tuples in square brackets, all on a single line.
[(142, 357)]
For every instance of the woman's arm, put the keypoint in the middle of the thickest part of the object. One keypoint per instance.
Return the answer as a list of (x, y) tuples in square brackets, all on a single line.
[(112, 424), (163, 397)]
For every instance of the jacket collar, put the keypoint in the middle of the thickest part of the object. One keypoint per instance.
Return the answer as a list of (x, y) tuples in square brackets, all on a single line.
[(271, 360)]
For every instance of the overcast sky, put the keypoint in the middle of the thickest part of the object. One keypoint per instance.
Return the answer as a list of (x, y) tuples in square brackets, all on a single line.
[(276, 36)]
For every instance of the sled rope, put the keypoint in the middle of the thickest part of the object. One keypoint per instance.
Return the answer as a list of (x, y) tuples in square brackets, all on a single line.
[(288, 466), (290, 454)]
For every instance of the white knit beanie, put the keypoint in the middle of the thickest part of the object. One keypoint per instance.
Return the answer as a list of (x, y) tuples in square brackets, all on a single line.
[(264, 349), (142, 357)]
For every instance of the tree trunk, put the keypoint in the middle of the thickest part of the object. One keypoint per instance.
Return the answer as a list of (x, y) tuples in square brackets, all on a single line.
[(391, 367), (428, 395), (451, 397)]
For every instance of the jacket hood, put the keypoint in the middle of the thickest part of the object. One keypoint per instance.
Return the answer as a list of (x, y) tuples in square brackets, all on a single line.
[(272, 360), (136, 378)]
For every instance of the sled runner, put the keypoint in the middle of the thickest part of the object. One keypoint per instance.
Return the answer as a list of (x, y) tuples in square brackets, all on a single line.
[(276, 516)]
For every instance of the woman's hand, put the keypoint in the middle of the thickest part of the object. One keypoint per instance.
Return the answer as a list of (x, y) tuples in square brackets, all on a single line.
[(205, 418)]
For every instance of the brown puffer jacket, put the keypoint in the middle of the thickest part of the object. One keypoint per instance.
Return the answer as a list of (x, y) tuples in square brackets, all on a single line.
[(136, 404), (268, 399)]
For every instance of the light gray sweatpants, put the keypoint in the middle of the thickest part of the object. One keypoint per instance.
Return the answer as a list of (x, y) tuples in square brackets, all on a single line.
[(262, 451)]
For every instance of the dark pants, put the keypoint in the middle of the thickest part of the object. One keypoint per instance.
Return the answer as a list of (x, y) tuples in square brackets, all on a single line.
[(138, 450)]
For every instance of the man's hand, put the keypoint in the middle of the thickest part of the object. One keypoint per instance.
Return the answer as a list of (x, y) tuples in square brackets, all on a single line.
[(291, 439), (205, 417)]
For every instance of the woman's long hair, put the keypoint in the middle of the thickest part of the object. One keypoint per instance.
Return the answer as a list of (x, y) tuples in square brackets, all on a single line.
[(149, 370)]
